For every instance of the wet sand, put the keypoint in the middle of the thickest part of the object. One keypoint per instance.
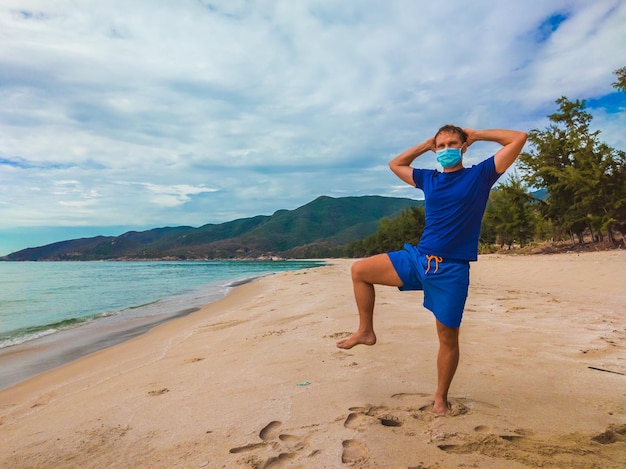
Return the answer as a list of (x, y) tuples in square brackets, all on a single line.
[(255, 380), (31, 358)]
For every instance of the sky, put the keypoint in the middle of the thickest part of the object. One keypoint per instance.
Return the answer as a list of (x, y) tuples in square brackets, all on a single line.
[(134, 114)]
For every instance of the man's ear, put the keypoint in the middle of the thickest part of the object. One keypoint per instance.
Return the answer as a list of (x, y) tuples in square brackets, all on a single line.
[(463, 148)]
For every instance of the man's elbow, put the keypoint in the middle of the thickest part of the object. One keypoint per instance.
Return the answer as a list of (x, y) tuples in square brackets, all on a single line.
[(523, 136)]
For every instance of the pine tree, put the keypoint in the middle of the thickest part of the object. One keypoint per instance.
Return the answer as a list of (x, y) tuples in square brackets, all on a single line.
[(580, 173), (510, 216)]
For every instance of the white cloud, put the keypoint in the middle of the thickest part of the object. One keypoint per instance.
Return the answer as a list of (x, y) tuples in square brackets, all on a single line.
[(231, 109), (172, 196), (579, 57)]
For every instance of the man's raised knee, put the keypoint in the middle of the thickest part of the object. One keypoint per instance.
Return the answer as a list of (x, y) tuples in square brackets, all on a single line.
[(357, 270)]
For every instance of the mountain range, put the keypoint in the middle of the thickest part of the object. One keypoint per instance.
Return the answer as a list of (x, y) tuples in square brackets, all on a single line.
[(312, 230)]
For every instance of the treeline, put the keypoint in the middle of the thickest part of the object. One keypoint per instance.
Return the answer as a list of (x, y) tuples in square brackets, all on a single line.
[(580, 191), (392, 234), (584, 180)]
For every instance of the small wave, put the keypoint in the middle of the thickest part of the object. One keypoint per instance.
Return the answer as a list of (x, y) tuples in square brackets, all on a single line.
[(11, 341), (107, 314), (243, 281), (150, 303), (19, 336)]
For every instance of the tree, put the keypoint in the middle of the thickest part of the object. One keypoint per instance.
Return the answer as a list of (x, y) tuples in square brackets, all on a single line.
[(620, 84), (580, 173), (510, 214), (392, 234), (618, 182)]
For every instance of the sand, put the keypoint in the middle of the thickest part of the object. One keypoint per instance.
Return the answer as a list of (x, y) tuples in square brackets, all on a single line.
[(255, 380)]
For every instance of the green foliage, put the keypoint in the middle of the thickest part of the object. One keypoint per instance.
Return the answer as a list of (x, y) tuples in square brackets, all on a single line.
[(511, 214), (620, 84), (392, 234), (583, 176), (335, 221)]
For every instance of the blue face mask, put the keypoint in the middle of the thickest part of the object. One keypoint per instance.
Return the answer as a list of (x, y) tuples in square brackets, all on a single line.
[(449, 157)]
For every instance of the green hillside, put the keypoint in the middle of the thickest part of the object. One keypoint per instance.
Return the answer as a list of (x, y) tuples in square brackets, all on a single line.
[(324, 223)]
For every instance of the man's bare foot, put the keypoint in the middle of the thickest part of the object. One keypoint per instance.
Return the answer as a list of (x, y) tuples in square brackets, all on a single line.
[(441, 407), (365, 338)]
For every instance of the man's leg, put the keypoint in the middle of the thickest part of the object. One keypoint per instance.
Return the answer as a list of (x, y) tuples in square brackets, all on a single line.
[(447, 361), (365, 274)]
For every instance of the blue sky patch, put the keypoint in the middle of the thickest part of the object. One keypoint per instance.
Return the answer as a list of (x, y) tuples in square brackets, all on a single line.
[(23, 164), (549, 26), (31, 15), (15, 163), (611, 103)]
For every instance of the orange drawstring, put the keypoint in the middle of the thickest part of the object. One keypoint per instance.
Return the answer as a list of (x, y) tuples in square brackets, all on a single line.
[(437, 261)]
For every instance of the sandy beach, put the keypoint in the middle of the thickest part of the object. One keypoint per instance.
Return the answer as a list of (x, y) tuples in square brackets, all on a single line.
[(255, 380)]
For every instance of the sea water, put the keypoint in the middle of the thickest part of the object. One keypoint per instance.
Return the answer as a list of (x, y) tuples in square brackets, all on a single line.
[(72, 303)]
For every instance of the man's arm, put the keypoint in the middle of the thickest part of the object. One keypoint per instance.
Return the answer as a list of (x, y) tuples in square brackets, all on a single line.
[(512, 142), (400, 165)]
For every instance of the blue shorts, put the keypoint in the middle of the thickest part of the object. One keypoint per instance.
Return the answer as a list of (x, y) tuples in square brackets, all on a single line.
[(445, 282)]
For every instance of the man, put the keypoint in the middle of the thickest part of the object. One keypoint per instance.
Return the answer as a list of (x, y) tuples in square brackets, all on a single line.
[(455, 203)]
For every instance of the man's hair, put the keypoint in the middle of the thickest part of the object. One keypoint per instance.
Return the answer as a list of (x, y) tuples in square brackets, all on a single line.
[(453, 129)]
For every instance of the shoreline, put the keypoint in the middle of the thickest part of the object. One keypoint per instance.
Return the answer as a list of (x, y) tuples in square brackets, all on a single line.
[(255, 378), (27, 360), (32, 357)]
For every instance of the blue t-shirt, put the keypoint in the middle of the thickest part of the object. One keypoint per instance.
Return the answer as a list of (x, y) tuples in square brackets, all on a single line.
[(455, 204)]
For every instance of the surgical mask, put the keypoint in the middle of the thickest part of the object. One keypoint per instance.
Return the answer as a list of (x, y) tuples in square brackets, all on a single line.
[(449, 157)]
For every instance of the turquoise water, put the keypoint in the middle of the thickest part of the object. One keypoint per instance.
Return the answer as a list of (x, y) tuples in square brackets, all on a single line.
[(38, 299)]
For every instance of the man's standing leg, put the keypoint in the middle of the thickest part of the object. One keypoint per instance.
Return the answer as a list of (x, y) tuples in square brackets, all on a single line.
[(447, 361), (375, 270)]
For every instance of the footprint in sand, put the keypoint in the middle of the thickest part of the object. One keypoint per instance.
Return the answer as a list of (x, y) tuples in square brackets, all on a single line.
[(270, 431), (291, 443), (510, 437), (362, 417), (488, 442), (250, 447), (363, 410), (482, 429), (338, 335), (409, 395), (342, 355), (356, 421), (354, 452), (612, 434), (389, 420), (194, 360), (275, 449)]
